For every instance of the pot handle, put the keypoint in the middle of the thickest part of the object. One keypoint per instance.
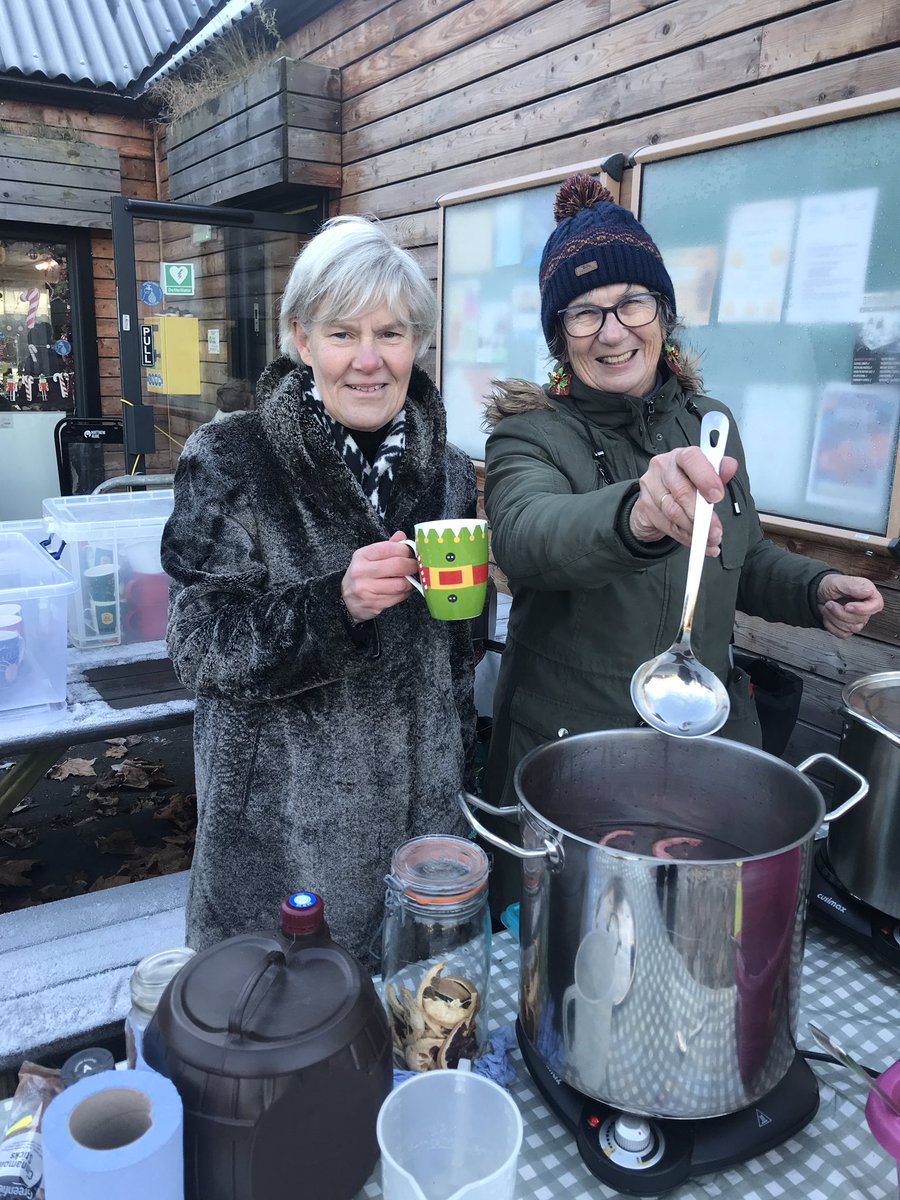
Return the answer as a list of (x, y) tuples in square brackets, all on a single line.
[(841, 766), (552, 850)]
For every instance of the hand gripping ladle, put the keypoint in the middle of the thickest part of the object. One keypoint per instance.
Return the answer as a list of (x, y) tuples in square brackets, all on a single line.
[(674, 692)]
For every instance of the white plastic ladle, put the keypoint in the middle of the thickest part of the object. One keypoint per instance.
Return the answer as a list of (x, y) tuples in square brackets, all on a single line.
[(674, 692)]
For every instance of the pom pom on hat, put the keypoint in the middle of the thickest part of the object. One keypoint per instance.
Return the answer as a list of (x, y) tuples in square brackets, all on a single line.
[(596, 242), (578, 192)]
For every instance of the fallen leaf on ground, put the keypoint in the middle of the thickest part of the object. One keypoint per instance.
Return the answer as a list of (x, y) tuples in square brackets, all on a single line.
[(22, 805), (185, 841), (107, 803), (14, 871), (135, 773), (119, 747), (120, 841), (131, 776), (72, 766), (149, 764), (108, 881), (106, 783), (180, 809), (21, 839), (160, 862), (73, 886)]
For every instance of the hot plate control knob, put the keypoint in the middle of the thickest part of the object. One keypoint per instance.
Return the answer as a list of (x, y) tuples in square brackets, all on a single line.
[(632, 1134)]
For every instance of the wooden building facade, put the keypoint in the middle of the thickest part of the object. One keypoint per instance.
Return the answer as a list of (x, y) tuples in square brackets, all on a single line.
[(384, 106), (60, 165), (439, 96)]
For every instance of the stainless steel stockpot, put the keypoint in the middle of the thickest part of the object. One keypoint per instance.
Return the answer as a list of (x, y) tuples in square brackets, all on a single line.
[(864, 850), (665, 988)]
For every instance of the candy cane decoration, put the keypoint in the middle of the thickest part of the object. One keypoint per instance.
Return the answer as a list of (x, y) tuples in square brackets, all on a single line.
[(32, 298), (29, 384), (62, 378)]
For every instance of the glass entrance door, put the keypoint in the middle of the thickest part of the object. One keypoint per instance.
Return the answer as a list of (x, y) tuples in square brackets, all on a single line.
[(48, 356), (199, 291)]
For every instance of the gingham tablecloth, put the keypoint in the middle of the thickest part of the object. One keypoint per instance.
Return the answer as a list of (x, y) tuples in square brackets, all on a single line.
[(833, 1158)]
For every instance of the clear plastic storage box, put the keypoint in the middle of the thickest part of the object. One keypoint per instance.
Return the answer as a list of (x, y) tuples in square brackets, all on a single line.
[(112, 551), (34, 591), (35, 530)]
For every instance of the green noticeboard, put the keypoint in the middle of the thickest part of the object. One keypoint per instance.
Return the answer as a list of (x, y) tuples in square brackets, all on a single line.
[(785, 255)]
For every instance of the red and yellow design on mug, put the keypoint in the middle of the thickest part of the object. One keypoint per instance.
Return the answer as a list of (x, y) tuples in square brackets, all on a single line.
[(453, 567)]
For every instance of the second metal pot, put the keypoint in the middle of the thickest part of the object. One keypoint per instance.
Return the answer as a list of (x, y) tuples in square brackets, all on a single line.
[(662, 987), (864, 850)]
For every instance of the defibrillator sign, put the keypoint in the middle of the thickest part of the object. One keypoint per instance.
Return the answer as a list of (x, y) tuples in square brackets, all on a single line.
[(178, 279)]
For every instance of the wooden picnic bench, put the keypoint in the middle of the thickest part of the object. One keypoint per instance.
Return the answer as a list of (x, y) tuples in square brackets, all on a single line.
[(65, 965)]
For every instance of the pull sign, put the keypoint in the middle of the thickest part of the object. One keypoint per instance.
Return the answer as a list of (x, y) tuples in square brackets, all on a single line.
[(148, 357)]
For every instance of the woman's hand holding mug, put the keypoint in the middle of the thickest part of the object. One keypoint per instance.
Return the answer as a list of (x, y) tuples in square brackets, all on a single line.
[(377, 578)]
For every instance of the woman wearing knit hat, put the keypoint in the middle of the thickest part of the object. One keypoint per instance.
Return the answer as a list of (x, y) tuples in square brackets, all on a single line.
[(590, 487)]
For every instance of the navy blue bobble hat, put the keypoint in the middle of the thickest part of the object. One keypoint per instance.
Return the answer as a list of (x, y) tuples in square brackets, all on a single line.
[(596, 242)]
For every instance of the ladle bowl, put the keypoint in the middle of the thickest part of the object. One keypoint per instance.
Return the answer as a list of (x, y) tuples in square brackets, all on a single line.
[(674, 692)]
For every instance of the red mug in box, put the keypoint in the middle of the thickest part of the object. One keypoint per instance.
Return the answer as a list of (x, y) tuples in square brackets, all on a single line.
[(146, 595)]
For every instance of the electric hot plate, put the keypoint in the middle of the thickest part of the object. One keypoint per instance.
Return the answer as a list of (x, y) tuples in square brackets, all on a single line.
[(639, 1156), (876, 932)]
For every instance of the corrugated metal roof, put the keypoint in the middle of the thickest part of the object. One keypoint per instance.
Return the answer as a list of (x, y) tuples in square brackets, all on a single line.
[(232, 14), (103, 42)]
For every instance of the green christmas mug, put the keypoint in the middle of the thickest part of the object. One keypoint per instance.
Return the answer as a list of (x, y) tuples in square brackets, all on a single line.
[(453, 567)]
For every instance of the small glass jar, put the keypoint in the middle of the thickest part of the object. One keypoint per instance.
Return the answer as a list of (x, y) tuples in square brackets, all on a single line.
[(436, 963), (149, 980)]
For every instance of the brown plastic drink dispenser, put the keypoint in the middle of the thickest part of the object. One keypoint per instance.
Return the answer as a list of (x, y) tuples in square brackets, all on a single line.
[(281, 1053)]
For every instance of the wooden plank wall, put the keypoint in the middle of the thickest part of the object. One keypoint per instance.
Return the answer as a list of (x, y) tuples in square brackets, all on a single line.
[(59, 180), (132, 139), (440, 95)]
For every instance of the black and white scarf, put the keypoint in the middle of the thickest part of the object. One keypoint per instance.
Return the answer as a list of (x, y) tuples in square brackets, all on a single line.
[(374, 478)]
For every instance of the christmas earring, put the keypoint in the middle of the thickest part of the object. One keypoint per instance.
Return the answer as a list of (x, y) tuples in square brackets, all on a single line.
[(673, 357), (560, 379)]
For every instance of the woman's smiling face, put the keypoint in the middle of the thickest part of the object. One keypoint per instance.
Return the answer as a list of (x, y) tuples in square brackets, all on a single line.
[(361, 365), (616, 359)]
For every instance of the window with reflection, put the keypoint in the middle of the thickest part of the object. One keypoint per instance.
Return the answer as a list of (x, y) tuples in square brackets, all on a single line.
[(37, 364)]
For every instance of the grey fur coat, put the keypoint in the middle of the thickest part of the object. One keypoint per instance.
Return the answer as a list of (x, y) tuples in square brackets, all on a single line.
[(318, 748)]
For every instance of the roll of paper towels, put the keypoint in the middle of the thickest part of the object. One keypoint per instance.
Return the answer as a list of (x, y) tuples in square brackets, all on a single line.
[(118, 1136)]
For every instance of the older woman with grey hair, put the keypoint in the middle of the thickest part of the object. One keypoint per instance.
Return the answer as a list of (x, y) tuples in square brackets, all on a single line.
[(334, 717)]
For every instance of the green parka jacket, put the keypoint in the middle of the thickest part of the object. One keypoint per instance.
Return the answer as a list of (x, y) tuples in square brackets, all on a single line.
[(590, 603)]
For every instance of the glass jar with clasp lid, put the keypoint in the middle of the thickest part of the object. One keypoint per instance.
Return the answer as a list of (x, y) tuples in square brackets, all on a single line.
[(436, 962)]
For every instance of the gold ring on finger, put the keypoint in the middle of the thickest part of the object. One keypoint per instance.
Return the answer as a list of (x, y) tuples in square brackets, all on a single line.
[(663, 498)]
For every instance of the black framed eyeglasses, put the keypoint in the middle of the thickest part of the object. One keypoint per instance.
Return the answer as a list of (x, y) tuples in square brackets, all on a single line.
[(586, 320)]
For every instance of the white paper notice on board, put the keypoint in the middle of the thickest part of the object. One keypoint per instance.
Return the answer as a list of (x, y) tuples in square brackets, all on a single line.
[(212, 341), (757, 253), (831, 257), (776, 418)]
